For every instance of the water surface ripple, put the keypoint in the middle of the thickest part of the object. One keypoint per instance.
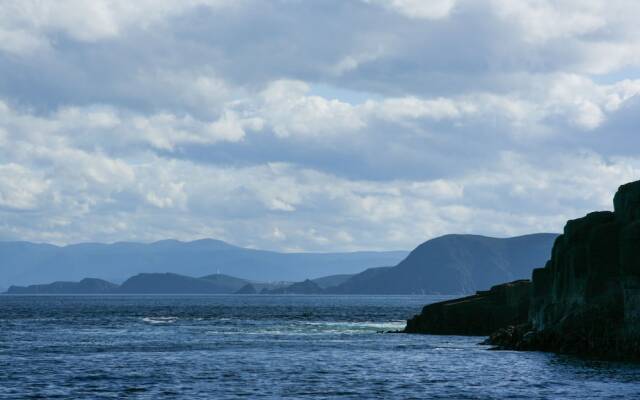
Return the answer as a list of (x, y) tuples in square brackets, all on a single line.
[(226, 347)]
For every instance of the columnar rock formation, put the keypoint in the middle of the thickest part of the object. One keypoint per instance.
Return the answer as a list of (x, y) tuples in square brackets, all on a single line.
[(587, 297), (586, 300)]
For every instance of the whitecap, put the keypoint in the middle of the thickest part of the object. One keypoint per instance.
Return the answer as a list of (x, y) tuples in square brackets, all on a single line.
[(159, 320)]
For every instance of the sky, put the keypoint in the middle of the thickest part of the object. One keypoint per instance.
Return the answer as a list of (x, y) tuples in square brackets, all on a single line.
[(295, 125)]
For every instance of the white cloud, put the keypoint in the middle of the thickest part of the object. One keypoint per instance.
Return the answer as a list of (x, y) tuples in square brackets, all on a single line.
[(374, 124), (165, 131), (17, 41), (398, 109), (352, 62), (94, 195), (585, 103), (25, 25), (200, 89), (432, 9), (546, 20), (20, 188), (601, 33), (100, 125), (290, 111)]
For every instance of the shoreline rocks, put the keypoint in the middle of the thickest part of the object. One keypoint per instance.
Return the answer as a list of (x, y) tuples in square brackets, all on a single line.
[(476, 315), (586, 300)]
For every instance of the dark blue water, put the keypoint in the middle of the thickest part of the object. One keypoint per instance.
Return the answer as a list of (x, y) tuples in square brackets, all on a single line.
[(269, 347)]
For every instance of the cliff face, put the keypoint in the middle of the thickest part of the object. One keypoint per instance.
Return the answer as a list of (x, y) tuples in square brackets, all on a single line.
[(477, 315), (587, 298)]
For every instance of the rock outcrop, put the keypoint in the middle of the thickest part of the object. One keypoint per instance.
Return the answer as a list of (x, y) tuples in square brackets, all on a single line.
[(477, 315), (586, 300)]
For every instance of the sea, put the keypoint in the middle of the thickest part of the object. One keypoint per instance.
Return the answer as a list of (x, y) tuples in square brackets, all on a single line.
[(270, 347)]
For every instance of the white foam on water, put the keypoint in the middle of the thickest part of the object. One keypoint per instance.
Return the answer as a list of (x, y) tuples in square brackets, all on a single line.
[(355, 327), (159, 320), (298, 328)]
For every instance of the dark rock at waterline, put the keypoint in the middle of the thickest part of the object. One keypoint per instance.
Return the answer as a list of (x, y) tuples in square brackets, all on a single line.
[(476, 315), (586, 300), (520, 336)]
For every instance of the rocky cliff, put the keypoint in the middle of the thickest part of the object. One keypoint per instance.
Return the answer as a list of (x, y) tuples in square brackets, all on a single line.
[(586, 300), (477, 315)]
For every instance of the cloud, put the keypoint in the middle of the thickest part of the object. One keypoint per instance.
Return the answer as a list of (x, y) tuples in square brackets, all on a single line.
[(108, 127), (27, 25), (541, 21), (19, 187), (434, 9), (290, 110), (312, 125)]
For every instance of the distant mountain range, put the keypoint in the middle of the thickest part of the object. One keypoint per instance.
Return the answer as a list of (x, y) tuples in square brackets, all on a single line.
[(24, 263), (85, 286), (170, 283), (305, 287), (451, 264)]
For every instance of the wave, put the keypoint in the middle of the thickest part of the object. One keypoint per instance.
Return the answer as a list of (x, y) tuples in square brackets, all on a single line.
[(159, 320)]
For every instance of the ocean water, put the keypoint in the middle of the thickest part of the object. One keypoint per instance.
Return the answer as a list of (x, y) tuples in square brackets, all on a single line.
[(226, 347)]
